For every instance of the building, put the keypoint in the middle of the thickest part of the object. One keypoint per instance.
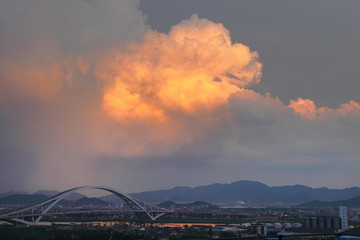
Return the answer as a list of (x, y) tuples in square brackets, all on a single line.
[(259, 230), (322, 222), (343, 217)]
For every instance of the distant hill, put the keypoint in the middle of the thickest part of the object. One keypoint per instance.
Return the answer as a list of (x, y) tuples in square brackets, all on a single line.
[(26, 199), (22, 199), (90, 201), (112, 198), (74, 196), (48, 193), (196, 204), (250, 192), (2, 195), (352, 202)]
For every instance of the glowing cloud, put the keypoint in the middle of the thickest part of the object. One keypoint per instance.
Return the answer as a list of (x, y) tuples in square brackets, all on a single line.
[(194, 67), (306, 108)]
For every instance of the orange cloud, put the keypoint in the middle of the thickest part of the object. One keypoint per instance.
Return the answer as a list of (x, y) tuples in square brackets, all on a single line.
[(194, 67), (41, 81), (41, 78), (306, 108), (120, 102), (352, 108)]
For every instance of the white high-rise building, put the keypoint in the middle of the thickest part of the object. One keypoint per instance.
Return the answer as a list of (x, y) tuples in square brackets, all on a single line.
[(343, 217)]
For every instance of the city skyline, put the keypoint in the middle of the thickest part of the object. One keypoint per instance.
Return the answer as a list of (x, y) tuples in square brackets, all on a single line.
[(151, 95)]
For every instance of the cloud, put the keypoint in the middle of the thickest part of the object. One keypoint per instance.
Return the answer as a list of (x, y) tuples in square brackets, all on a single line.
[(193, 67), (174, 86), (93, 96), (48, 92), (43, 43), (306, 108)]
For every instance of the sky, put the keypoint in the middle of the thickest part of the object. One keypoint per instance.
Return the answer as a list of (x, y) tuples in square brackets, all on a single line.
[(147, 95)]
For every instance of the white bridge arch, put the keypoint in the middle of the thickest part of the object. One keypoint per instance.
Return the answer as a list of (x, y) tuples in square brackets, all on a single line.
[(32, 214)]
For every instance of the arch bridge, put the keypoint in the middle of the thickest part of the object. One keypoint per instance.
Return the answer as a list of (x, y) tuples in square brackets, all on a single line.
[(32, 214)]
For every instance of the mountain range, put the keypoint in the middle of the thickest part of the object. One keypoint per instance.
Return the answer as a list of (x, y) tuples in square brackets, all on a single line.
[(22, 199), (196, 204), (352, 202), (248, 192), (27, 199)]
